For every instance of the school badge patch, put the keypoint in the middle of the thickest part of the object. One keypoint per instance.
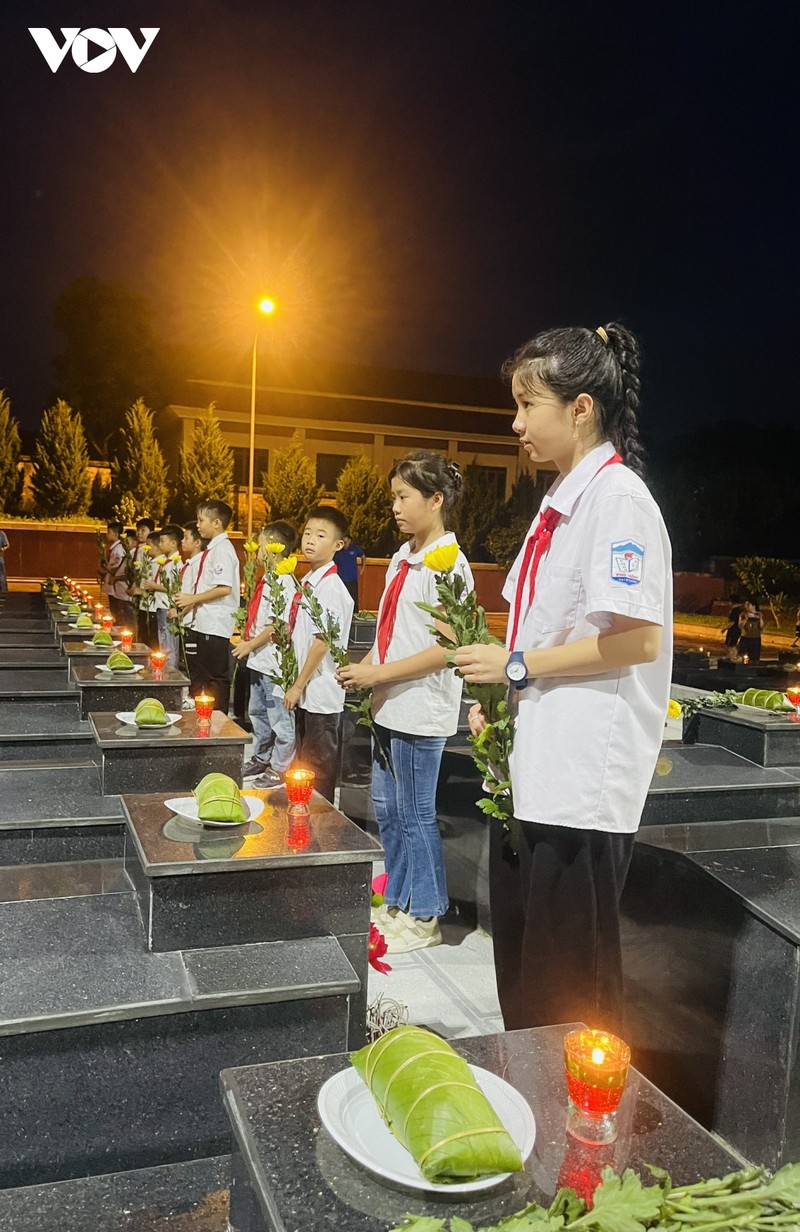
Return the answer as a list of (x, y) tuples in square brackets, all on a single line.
[(627, 563)]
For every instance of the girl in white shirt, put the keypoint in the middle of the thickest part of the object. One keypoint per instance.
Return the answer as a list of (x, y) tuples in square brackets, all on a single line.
[(588, 657), (415, 701)]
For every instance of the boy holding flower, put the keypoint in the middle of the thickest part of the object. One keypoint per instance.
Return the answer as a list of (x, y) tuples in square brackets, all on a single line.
[(273, 724)]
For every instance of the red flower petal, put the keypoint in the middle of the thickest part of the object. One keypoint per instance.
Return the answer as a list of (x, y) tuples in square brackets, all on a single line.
[(377, 949), (379, 883)]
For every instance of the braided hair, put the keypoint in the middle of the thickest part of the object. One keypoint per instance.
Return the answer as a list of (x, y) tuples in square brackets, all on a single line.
[(603, 363)]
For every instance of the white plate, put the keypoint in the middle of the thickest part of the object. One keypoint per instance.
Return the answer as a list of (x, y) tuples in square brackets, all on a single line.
[(84, 628), (350, 1115), (128, 716), (121, 671), (186, 806), (100, 648)]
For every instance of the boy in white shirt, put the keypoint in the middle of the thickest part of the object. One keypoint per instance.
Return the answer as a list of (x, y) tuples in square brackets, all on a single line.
[(168, 540), (316, 695), (114, 584), (273, 724), (212, 603)]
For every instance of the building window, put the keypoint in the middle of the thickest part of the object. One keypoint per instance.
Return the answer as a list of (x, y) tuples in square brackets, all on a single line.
[(329, 468), (241, 467)]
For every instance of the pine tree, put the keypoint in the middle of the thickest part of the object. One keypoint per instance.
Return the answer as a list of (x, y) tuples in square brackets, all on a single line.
[(206, 469), (292, 489), (141, 473), (363, 496), (10, 446), (60, 480), (478, 513)]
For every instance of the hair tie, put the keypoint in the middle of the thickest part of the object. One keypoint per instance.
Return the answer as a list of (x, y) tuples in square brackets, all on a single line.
[(455, 473), (602, 335)]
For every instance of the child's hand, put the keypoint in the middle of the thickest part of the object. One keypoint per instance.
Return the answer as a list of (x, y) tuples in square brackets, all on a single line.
[(184, 602), (481, 664), (292, 699), (241, 650), (476, 719), (358, 676), (172, 613)]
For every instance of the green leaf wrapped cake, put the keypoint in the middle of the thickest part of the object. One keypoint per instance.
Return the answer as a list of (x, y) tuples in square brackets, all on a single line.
[(219, 799), (119, 662), (74, 609), (430, 1100), (84, 621), (150, 713), (764, 699), (102, 638)]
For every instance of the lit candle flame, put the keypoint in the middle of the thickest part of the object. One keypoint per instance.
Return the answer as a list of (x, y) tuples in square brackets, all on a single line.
[(598, 1056)]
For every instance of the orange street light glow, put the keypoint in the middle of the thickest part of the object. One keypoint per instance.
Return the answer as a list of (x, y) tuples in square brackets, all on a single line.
[(266, 306)]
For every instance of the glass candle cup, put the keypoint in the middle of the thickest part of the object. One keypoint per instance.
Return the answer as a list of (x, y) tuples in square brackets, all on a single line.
[(158, 661), (107, 621), (298, 832), (299, 786), (793, 694), (204, 708), (596, 1067), (125, 635)]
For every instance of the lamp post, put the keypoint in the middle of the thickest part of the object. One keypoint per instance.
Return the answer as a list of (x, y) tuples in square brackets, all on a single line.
[(267, 307)]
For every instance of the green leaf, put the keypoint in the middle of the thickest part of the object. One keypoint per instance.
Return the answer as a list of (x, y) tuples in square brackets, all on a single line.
[(621, 1204), (460, 1225), (567, 1205), (533, 1218), (420, 1223)]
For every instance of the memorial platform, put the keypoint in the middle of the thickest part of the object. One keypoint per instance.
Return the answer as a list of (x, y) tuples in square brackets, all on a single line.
[(45, 731), (107, 692), (79, 652), (175, 757)]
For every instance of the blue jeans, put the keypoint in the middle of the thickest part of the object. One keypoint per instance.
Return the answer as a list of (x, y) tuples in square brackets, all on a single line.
[(273, 724), (405, 807), (167, 640)]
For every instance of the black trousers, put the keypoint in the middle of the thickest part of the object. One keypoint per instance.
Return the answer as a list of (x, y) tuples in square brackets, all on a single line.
[(555, 925), (147, 629), (211, 668), (318, 748), (352, 590)]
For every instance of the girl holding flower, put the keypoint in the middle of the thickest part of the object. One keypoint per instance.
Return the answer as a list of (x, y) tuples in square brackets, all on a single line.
[(588, 657), (415, 701)]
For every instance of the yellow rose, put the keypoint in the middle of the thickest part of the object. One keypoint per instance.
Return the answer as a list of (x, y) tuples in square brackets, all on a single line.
[(674, 709), (284, 567), (250, 546), (442, 559), (275, 549)]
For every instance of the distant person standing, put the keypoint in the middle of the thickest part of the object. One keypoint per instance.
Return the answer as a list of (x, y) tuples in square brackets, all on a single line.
[(113, 585), (4, 545), (733, 632), (350, 561), (751, 626)]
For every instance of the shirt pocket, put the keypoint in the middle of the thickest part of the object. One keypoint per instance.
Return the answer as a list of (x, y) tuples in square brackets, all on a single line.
[(556, 599)]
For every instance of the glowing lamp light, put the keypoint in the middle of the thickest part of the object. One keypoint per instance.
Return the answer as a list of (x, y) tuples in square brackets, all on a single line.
[(596, 1069), (204, 707), (125, 636), (158, 661), (299, 786), (107, 621), (267, 306)]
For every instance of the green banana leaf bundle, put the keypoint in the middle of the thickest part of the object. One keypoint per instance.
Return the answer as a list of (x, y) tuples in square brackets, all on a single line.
[(150, 712), (764, 699), (119, 662), (84, 621), (219, 799), (73, 610), (430, 1100), (102, 638)]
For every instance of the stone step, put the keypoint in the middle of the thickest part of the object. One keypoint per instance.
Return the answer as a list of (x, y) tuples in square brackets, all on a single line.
[(126, 1046), (704, 782), (28, 640), (763, 736), (56, 811), (192, 1197), (36, 683), (44, 731), (27, 658)]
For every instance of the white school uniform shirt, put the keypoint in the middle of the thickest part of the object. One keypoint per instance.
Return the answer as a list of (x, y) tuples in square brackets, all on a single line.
[(170, 569), (188, 574), (116, 567), (323, 694), (585, 747), (219, 567), (428, 706), (265, 659)]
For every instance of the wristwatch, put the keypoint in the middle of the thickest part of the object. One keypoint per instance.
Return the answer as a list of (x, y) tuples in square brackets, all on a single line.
[(516, 671)]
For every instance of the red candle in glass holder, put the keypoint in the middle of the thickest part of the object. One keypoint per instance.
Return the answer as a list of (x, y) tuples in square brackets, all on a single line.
[(204, 707), (299, 786), (298, 834), (596, 1068), (98, 611), (158, 661), (107, 621), (793, 694), (125, 635)]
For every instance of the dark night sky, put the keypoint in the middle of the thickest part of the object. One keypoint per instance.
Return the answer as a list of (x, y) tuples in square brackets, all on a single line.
[(421, 184)]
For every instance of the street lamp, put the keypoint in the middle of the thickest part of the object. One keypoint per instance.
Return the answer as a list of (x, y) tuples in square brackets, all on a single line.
[(267, 307)]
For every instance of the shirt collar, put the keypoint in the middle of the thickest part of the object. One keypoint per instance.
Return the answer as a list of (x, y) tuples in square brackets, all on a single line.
[(212, 543), (565, 492), (415, 558), (317, 574)]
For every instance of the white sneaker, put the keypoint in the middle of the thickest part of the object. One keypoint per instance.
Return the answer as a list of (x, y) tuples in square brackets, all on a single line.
[(384, 916), (407, 934)]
